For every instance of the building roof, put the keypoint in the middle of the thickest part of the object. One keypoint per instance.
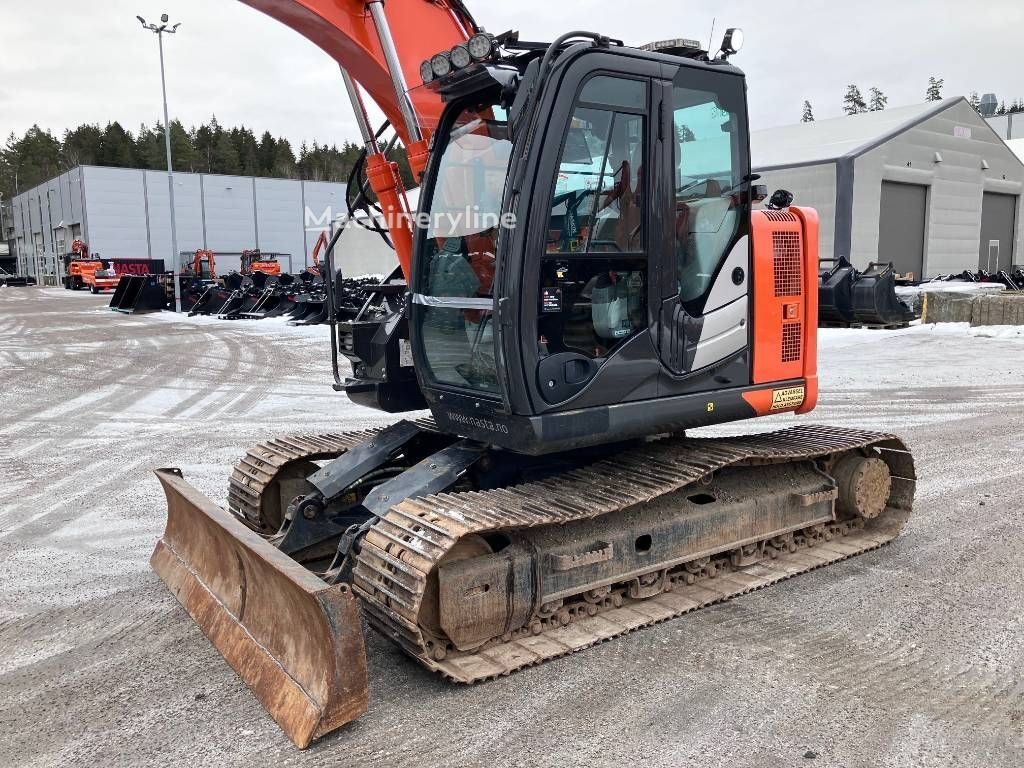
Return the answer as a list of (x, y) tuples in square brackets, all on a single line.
[(827, 140), (1017, 147)]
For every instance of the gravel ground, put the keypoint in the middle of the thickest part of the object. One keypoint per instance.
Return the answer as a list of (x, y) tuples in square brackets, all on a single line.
[(910, 655)]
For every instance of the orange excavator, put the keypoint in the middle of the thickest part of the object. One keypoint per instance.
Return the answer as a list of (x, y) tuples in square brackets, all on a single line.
[(318, 247), (586, 278), (202, 266)]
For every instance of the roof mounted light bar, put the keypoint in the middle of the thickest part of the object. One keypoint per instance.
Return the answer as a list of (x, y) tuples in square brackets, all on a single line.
[(482, 46), (676, 46)]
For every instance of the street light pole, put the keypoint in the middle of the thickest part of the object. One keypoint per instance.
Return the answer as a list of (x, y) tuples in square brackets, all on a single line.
[(159, 32)]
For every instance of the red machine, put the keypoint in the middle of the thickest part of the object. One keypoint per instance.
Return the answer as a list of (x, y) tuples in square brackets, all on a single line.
[(80, 266), (256, 261), (588, 279), (320, 245), (202, 265), (98, 280)]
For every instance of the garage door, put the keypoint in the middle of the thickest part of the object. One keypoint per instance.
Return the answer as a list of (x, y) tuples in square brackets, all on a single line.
[(998, 212), (901, 226)]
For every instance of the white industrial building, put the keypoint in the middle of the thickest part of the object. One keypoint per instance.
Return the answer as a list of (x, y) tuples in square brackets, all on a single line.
[(1009, 126), (1017, 145), (123, 213), (930, 187)]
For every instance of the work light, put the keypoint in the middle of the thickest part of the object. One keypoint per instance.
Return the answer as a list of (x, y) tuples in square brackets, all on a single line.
[(426, 71), (441, 64), (733, 41), (480, 46), (460, 57)]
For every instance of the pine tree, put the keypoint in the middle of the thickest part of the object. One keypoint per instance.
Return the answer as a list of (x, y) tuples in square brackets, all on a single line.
[(202, 144), (28, 161), (808, 114), (224, 158), (81, 146), (684, 134), (934, 91), (975, 101), (878, 100), (117, 147), (149, 148), (284, 161), (853, 102), (266, 154), (1002, 108), (183, 154)]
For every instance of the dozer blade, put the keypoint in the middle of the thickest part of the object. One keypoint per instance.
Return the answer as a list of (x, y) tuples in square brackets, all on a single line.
[(295, 640)]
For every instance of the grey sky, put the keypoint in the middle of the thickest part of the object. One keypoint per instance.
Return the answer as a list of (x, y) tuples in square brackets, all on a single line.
[(64, 62)]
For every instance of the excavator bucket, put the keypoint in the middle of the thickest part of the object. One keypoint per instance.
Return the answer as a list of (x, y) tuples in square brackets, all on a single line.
[(847, 296), (295, 640), (138, 293), (874, 297), (835, 291)]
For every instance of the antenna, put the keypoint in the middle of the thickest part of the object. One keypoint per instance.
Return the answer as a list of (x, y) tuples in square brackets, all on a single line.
[(712, 35)]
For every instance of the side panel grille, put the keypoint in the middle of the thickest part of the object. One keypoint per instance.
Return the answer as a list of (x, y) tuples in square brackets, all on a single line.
[(787, 257), (778, 215), (791, 341)]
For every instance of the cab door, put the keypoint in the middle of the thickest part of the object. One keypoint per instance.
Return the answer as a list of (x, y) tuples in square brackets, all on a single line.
[(588, 288), (704, 322)]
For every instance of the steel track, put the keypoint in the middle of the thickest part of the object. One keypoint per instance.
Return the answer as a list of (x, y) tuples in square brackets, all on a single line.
[(409, 542)]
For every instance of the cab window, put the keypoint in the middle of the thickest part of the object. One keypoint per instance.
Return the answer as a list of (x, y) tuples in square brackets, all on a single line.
[(708, 169), (597, 205), (593, 292), (458, 247)]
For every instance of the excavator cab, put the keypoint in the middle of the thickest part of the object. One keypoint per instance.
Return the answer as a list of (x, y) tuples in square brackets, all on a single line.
[(615, 299)]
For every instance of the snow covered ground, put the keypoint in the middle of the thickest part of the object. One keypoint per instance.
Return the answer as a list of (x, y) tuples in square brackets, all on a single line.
[(905, 656)]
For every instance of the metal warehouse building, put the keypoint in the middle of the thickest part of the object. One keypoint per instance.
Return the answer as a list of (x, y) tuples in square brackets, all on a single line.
[(1009, 126), (931, 187), (123, 213)]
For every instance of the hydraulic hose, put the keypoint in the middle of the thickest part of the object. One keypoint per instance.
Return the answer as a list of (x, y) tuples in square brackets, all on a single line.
[(332, 319)]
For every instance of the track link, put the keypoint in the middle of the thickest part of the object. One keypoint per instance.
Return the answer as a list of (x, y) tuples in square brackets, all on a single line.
[(409, 542)]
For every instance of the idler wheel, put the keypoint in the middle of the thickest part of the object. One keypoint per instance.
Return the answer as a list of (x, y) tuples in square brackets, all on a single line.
[(864, 485)]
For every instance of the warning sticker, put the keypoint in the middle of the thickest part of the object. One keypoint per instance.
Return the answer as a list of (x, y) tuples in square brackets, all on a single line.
[(792, 397)]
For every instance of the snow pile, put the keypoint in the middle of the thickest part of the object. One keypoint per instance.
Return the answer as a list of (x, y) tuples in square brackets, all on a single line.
[(979, 331), (268, 326), (951, 286)]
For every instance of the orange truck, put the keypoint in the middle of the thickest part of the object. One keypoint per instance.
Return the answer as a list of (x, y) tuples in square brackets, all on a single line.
[(257, 261), (79, 266)]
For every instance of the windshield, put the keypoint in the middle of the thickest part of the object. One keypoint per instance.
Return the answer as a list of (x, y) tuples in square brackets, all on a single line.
[(458, 237)]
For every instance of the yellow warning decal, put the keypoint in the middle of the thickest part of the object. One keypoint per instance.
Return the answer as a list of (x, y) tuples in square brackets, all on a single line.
[(791, 397)]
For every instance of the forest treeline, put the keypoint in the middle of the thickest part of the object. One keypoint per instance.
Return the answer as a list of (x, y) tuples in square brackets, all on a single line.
[(38, 155)]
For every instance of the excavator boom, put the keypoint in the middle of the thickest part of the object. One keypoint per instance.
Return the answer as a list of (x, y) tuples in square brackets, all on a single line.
[(382, 50), (346, 31)]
